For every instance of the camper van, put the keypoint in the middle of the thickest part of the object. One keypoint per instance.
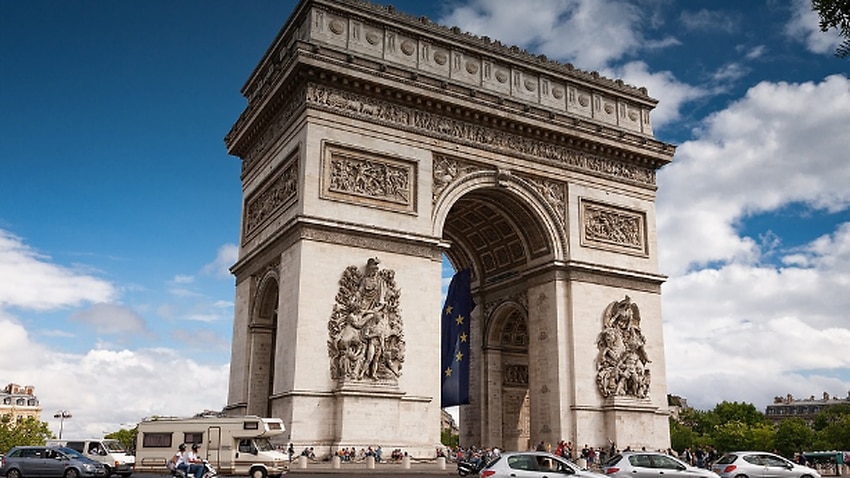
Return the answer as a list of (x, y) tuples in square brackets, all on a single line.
[(233, 445), (110, 452)]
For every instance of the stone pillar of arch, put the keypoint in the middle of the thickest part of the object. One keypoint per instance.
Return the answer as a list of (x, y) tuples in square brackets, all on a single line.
[(374, 144)]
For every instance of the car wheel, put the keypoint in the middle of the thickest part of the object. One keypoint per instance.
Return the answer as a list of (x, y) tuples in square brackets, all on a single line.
[(72, 473), (126, 475), (741, 476), (13, 473), (107, 471), (259, 473)]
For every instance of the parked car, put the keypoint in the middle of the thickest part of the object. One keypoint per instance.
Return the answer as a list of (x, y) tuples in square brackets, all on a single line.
[(48, 462), (652, 465), (760, 464), (533, 464)]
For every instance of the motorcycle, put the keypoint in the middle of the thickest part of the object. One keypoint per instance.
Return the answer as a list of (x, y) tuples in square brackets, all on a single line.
[(470, 467), (209, 471)]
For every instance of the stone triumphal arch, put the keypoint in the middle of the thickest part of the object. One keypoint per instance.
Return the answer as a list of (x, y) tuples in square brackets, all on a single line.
[(373, 145)]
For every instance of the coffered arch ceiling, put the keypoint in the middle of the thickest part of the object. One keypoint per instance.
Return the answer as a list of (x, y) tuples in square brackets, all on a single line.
[(495, 234)]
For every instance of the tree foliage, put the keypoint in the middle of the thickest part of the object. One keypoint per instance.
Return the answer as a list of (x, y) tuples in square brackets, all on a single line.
[(28, 431), (740, 426), (835, 14), (126, 437)]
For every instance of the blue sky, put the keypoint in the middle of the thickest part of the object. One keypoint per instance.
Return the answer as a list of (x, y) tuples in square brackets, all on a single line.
[(120, 207)]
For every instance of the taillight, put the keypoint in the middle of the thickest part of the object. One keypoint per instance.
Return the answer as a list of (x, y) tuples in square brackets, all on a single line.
[(611, 471), (729, 468), (486, 473)]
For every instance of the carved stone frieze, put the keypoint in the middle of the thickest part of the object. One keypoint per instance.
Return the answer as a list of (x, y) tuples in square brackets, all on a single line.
[(361, 177), (366, 330), (447, 170), (472, 134), (515, 375), (273, 131), (611, 227), (621, 366), (555, 194), (278, 192), (520, 298)]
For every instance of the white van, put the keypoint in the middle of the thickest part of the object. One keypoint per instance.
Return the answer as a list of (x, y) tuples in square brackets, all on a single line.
[(105, 450), (233, 445)]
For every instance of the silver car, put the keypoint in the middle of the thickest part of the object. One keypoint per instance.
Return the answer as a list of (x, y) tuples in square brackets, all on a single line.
[(48, 462), (533, 464), (652, 465), (760, 464)]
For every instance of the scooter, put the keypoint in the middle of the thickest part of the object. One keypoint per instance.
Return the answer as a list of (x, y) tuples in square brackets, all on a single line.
[(466, 467), (209, 471)]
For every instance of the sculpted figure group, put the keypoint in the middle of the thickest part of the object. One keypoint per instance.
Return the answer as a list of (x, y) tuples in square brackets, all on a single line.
[(366, 339), (621, 366)]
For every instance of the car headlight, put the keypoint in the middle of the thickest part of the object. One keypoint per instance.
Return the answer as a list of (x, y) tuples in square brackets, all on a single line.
[(88, 467)]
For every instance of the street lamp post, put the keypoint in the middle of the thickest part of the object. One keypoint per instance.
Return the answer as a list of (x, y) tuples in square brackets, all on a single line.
[(62, 415)]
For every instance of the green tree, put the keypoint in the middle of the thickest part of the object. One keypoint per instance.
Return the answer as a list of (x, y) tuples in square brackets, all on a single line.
[(793, 435), (746, 413), (126, 437), (836, 435), (28, 431), (835, 14), (681, 435)]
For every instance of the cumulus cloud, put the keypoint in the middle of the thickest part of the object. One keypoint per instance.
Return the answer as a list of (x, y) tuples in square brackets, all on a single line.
[(662, 85), (111, 319), (767, 150), (588, 33), (803, 26), (728, 306), (29, 280), (141, 381), (226, 256)]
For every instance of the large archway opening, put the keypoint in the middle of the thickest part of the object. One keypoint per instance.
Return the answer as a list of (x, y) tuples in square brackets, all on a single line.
[(263, 337), (500, 235)]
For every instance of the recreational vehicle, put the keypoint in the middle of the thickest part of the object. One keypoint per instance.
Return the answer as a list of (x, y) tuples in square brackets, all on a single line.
[(233, 445)]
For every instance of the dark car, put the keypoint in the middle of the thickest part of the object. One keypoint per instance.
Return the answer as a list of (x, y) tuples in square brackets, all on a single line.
[(48, 462)]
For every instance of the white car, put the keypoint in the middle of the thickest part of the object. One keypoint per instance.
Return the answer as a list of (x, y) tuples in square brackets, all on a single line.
[(760, 464), (533, 464), (647, 464)]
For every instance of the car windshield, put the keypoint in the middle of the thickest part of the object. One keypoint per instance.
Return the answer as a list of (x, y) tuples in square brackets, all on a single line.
[(263, 444), (613, 460), (114, 446), (727, 459), (71, 452)]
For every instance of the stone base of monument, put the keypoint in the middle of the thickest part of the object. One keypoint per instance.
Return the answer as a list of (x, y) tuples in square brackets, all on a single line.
[(632, 421)]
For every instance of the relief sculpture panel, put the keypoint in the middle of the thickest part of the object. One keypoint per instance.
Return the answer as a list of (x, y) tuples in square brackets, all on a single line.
[(609, 227), (278, 192), (621, 366), (367, 178), (366, 331)]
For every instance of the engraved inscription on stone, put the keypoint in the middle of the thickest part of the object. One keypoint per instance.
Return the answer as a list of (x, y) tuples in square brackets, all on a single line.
[(610, 227), (363, 177), (366, 331), (515, 374), (278, 192), (621, 367)]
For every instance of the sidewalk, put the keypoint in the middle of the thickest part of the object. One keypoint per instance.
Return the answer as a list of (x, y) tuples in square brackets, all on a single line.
[(363, 467)]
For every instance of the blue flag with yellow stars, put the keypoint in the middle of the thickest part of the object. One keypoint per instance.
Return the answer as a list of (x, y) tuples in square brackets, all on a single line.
[(455, 344)]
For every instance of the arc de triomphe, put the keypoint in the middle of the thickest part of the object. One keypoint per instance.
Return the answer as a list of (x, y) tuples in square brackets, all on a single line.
[(375, 143)]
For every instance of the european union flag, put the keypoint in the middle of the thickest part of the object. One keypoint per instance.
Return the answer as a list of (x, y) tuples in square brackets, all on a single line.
[(455, 345)]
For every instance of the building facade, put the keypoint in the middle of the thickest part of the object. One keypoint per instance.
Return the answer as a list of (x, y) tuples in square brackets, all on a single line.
[(787, 407), (19, 402)]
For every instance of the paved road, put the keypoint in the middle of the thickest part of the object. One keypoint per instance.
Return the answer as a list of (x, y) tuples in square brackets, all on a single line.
[(324, 470)]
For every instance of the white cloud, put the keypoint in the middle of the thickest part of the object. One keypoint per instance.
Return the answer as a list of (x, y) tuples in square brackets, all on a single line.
[(738, 327), (670, 92), (769, 149), (710, 20), (111, 319), (226, 256), (803, 26), (28, 280), (588, 33), (104, 389)]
